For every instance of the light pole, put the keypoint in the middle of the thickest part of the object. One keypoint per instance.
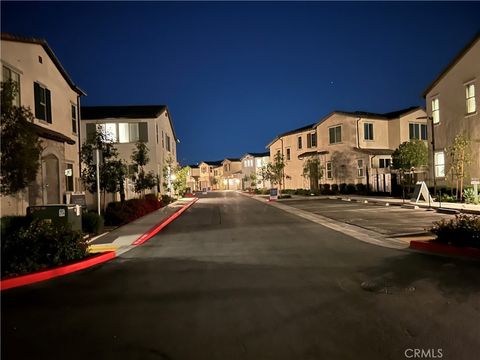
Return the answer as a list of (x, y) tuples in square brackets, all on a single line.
[(429, 118)]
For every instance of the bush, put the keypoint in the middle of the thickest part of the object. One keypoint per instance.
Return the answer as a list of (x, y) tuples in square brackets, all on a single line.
[(351, 189), (343, 188), (469, 196), (40, 245), (120, 213), (464, 230), (326, 189), (446, 198), (360, 189), (11, 223), (335, 188), (92, 223)]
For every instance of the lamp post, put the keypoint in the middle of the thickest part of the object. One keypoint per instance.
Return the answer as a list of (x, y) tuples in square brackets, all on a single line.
[(429, 118)]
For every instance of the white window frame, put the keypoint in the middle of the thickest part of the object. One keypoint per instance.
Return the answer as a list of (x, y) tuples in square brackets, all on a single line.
[(336, 141), (329, 170), (16, 100), (439, 164), (360, 168), (418, 130), (436, 110), (367, 134), (470, 98)]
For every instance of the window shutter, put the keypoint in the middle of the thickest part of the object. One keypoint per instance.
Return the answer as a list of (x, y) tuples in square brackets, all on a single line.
[(36, 91), (91, 130), (49, 106), (143, 131)]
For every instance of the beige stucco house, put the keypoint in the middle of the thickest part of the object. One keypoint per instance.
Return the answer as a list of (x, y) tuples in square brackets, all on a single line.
[(193, 178), (46, 88), (207, 179), (252, 164), (453, 109), (352, 147), (125, 125), (231, 174)]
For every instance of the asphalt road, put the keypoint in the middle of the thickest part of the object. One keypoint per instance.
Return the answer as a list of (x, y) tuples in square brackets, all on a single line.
[(234, 278)]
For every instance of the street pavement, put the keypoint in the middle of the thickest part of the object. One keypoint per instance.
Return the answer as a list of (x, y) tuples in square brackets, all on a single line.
[(235, 278)]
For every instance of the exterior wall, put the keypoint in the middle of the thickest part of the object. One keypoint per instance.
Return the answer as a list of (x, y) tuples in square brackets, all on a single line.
[(23, 58), (231, 178), (254, 169), (454, 120), (193, 179), (206, 176)]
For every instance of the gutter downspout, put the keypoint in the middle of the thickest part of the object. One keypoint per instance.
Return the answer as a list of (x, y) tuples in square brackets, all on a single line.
[(283, 171), (79, 117)]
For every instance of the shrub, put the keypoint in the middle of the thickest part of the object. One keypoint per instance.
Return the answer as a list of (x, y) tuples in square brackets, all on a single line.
[(326, 189), (463, 230), (343, 188), (11, 223), (40, 245), (166, 200), (351, 189), (360, 188), (119, 213), (335, 188), (446, 198), (286, 196), (92, 223), (469, 196)]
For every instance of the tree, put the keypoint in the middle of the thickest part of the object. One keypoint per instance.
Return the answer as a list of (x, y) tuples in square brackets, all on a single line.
[(142, 180), (180, 180), (409, 157), (175, 177), (313, 170), (112, 170), (460, 158), (20, 145), (275, 171)]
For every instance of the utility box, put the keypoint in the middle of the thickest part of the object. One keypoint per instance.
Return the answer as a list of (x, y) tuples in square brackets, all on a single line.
[(58, 213)]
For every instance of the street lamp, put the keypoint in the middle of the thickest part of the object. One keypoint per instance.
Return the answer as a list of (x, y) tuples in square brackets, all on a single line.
[(433, 152)]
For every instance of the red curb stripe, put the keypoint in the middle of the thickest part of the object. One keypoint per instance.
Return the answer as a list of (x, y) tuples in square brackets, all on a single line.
[(56, 272), (444, 249), (154, 230)]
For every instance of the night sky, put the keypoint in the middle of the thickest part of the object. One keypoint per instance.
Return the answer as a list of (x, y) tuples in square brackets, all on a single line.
[(234, 75)]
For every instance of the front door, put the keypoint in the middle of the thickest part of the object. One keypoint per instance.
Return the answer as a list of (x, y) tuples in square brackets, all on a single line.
[(51, 180)]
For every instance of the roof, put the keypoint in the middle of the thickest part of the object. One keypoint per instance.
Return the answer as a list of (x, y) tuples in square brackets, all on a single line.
[(374, 151), (125, 112), (193, 166), (387, 116), (232, 159), (294, 131), (455, 60), (260, 154), (213, 163), (52, 135), (49, 51)]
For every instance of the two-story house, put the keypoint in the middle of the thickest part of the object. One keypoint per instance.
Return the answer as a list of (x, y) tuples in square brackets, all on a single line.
[(453, 109), (231, 178), (46, 88), (193, 178), (252, 167), (126, 125), (207, 179)]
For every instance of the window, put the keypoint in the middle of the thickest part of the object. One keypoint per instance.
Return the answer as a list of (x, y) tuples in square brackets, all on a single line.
[(69, 177), (156, 131), (299, 142), (167, 142), (43, 107), (288, 154), (384, 163), (120, 132), (439, 164), (74, 119), (368, 131), (470, 94), (258, 163), (204, 170), (311, 140), (9, 74), (435, 111), (329, 170), (163, 141), (335, 134), (417, 131), (360, 168), (248, 162)]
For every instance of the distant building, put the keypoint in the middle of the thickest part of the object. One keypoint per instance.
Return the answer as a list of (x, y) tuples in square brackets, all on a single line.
[(193, 178), (453, 107), (207, 179), (47, 89), (125, 125), (252, 164), (352, 147), (231, 178)]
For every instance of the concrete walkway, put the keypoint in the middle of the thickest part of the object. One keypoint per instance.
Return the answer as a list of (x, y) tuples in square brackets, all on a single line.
[(122, 238)]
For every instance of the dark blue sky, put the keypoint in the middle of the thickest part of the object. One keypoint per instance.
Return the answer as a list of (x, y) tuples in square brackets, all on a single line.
[(235, 75)]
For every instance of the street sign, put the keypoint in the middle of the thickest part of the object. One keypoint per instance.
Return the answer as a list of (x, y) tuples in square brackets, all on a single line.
[(274, 194), (475, 181), (421, 190), (78, 199)]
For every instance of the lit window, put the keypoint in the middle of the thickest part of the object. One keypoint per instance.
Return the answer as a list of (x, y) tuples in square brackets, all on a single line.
[(360, 168), (439, 164), (335, 134), (435, 111), (9, 74), (368, 131), (258, 163), (470, 94), (417, 131), (329, 170)]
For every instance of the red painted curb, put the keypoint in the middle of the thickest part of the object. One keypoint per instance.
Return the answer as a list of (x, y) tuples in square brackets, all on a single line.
[(154, 230), (56, 272), (444, 249)]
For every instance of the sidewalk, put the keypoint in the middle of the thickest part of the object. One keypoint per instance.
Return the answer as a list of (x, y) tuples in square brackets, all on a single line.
[(384, 200), (122, 238)]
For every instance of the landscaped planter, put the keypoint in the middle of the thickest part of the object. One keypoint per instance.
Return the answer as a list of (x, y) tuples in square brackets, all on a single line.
[(435, 246)]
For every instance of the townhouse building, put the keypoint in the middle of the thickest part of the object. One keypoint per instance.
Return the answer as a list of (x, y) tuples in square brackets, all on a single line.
[(352, 147), (46, 88), (125, 126), (207, 179), (453, 109), (193, 178), (231, 174), (252, 165)]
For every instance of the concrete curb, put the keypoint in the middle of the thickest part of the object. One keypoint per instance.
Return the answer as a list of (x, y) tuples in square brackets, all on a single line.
[(429, 246), (56, 272), (156, 229)]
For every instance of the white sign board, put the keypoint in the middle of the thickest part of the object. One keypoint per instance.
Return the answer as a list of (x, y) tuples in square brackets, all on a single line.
[(421, 190)]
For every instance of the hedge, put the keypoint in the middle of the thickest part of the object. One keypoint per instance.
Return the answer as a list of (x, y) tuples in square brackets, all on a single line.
[(120, 213)]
